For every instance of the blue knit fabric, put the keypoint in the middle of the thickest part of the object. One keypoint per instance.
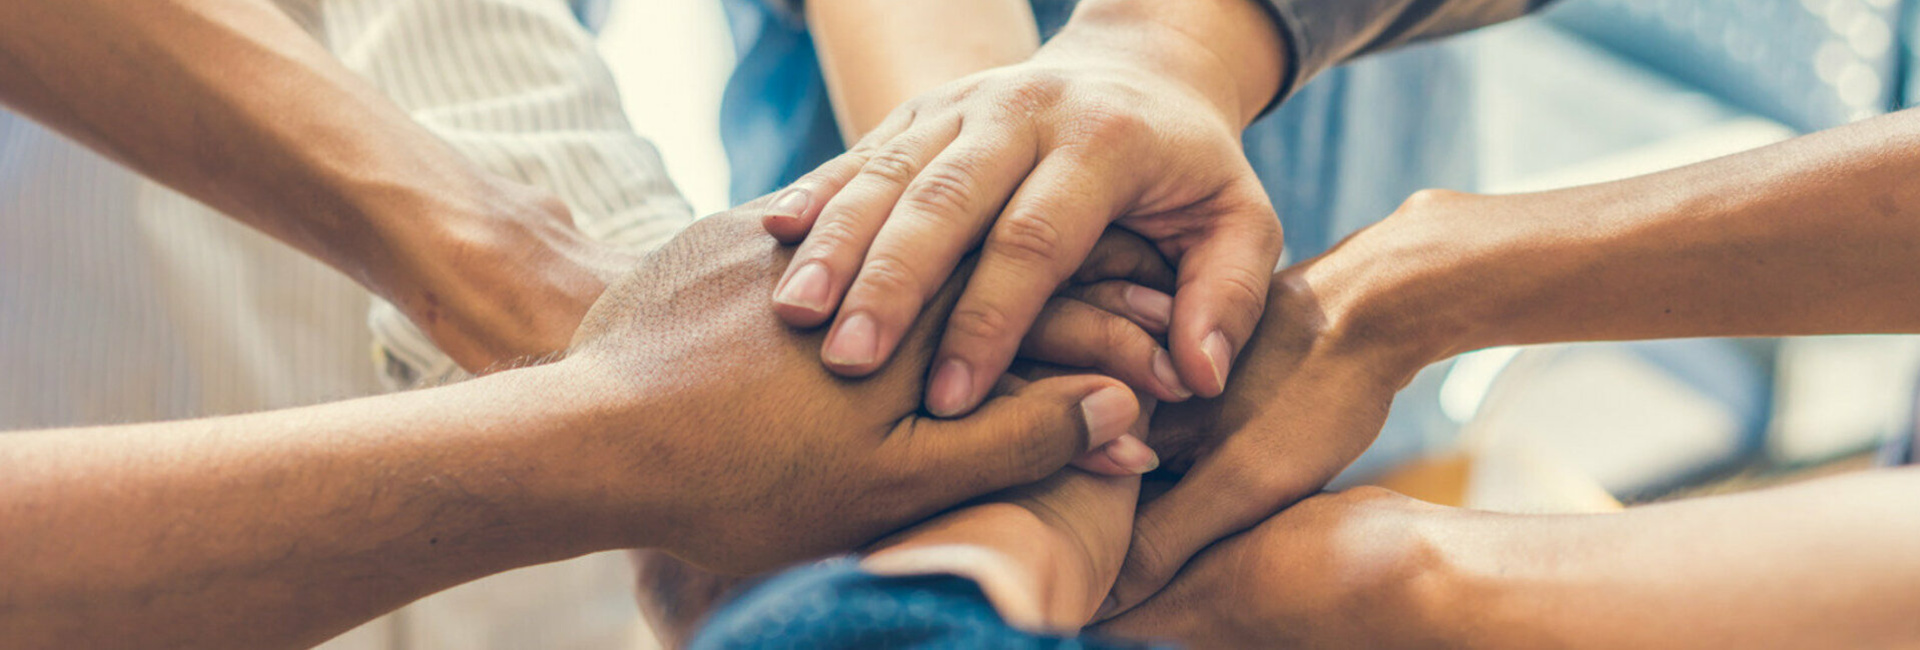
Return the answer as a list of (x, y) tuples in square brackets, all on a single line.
[(834, 604)]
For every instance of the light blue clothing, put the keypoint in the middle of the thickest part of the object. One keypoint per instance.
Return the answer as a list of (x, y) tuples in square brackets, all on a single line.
[(1910, 37), (592, 13)]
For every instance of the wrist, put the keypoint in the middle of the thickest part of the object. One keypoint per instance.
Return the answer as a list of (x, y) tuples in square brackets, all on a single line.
[(1228, 52), (1451, 272), (574, 426), (423, 238)]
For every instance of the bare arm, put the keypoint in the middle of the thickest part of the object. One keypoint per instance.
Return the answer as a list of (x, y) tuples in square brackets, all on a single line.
[(877, 54), (233, 103), (1827, 563), (284, 528), (1817, 235)]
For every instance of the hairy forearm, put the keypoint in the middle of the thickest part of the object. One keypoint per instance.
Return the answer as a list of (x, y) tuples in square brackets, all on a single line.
[(877, 54), (232, 103), (1822, 564), (1813, 236), (283, 529)]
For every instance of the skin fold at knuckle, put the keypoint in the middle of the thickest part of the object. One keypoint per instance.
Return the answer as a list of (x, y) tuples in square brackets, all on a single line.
[(943, 194), (894, 164), (1028, 239)]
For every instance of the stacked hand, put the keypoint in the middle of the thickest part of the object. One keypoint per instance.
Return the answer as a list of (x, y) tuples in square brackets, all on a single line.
[(768, 457), (1033, 162)]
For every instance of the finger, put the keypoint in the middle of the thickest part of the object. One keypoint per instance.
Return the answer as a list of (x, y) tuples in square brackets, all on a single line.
[(825, 263), (1150, 309), (1013, 439), (1073, 333), (1128, 456), (940, 216), (1223, 495), (791, 213), (1123, 255), (1046, 231), (1223, 291)]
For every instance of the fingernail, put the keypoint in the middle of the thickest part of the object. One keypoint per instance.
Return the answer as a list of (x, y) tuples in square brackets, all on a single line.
[(1220, 355), (855, 343), (790, 204), (1109, 412), (807, 289), (951, 388), (1170, 378), (1133, 455), (1153, 306)]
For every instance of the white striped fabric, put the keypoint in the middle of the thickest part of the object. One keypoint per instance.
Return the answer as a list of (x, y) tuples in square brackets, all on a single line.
[(123, 301)]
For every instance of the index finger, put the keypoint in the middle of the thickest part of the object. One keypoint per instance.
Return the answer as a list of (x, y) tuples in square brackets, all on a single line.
[(1047, 229)]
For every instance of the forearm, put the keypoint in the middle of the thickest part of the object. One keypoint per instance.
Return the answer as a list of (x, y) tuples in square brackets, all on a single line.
[(1813, 236), (1229, 50), (1826, 563), (283, 529), (877, 54), (1272, 47), (232, 103)]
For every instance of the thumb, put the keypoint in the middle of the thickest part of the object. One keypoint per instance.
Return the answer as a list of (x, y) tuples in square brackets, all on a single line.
[(1024, 435)]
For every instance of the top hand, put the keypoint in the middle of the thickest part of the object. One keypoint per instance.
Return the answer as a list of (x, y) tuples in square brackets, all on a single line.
[(1107, 124)]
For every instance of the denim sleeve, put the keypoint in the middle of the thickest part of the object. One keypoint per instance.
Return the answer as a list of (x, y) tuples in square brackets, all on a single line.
[(1321, 34), (834, 604)]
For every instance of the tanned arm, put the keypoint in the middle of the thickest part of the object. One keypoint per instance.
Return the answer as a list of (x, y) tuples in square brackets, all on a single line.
[(232, 103)]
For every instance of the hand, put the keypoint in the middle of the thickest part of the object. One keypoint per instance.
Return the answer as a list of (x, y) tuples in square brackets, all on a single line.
[(1314, 388), (1339, 570), (1037, 159), (763, 456), (497, 280)]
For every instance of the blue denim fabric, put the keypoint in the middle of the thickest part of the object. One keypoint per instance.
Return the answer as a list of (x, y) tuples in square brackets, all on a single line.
[(833, 604)]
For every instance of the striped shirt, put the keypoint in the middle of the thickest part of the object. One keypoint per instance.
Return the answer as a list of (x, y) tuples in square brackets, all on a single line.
[(121, 300)]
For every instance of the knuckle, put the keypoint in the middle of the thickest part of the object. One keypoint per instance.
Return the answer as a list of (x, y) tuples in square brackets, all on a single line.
[(980, 322), (1109, 122), (1037, 456), (1122, 338), (944, 190), (833, 232), (894, 165), (890, 278), (1246, 290), (1027, 238), (1033, 91)]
